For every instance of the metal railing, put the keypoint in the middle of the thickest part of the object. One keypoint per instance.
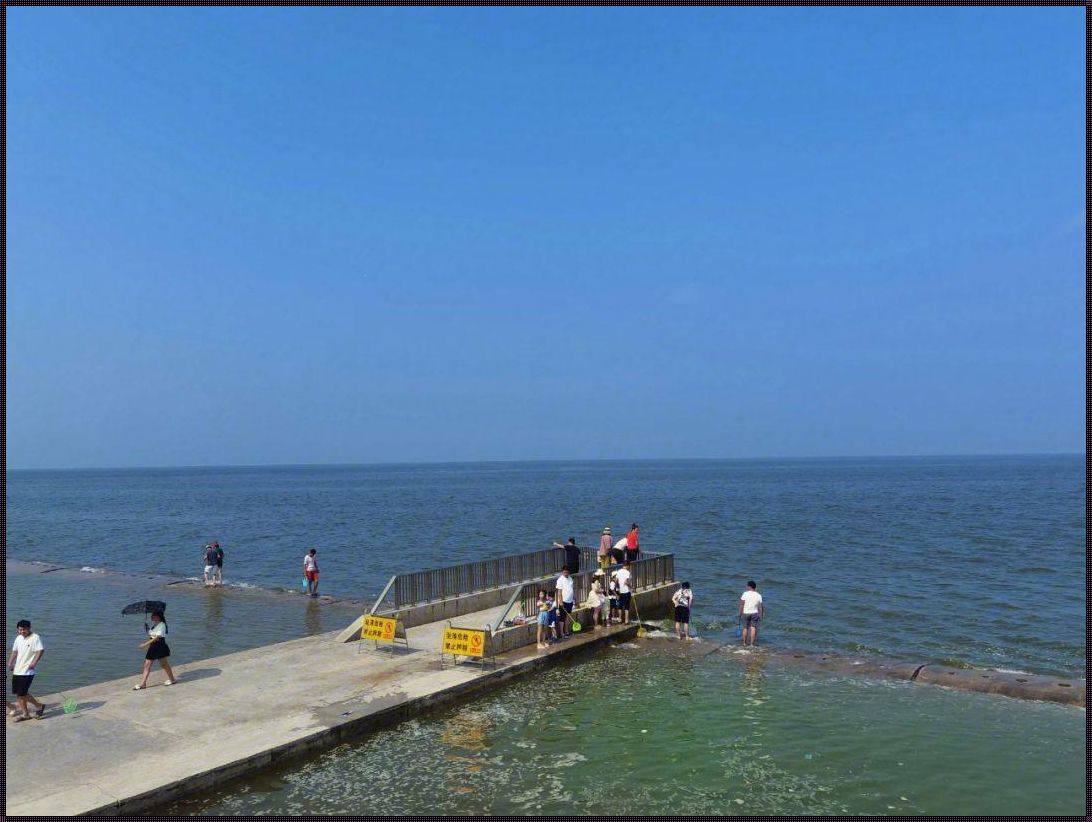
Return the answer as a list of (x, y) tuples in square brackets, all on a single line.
[(652, 570), (422, 587)]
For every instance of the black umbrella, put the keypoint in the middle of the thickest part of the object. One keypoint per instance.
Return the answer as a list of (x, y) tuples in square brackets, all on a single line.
[(145, 606)]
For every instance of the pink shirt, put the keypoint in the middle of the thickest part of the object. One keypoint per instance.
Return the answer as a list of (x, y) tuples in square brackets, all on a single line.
[(604, 545)]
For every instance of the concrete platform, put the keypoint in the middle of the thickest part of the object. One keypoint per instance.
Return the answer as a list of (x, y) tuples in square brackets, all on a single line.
[(124, 751)]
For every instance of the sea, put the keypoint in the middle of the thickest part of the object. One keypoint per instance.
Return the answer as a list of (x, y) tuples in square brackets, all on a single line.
[(963, 560)]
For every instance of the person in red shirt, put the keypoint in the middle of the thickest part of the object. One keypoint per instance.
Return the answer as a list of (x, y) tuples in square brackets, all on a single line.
[(632, 546)]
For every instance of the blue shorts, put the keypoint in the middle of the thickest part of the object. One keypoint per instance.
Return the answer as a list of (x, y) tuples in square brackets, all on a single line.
[(544, 618), (751, 620)]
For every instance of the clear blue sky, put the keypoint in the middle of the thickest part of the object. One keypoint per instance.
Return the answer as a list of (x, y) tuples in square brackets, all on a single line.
[(252, 236)]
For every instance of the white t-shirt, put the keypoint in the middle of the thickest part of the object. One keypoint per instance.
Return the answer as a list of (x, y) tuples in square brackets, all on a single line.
[(622, 575), (621, 544), (751, 601), (308, 562), (157, 630), (683, 597), (565, 585), (25, 648)]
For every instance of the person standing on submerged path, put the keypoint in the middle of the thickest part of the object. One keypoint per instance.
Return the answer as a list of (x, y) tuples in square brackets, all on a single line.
[(682, 599), (219, 563), (210, 564), (311, 572), (572, 555), (750, 611)]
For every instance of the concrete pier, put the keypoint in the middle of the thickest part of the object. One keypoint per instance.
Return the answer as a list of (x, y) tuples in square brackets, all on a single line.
[(124, 751)]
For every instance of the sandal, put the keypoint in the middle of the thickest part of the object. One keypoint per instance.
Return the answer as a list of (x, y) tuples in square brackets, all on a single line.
[(22, 718), (139, 687), (169, 682), (38, 713)]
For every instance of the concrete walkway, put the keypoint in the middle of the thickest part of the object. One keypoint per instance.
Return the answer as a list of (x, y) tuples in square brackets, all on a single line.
[(124, 751)]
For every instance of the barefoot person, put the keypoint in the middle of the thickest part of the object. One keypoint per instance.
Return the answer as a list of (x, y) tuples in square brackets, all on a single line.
[(156, 643), (219, 563), (750, 611), (26, 651), (682, 599), (209, 558), (311, 572)]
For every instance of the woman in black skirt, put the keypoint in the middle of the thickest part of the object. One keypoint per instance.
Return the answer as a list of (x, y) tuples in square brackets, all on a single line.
[(157, 649)]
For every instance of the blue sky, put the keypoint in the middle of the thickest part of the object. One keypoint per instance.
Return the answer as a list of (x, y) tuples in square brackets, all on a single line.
[(267, 236)]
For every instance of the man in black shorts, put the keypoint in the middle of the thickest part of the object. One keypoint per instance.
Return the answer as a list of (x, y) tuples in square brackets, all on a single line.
[(22, 662)]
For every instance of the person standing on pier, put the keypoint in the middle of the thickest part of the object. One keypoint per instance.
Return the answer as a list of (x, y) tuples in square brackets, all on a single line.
[(156, 643), (564, 596), (632, 544), (572, 555), (604, 549), (750, 611), (618, 552), (26, 651), (311, 571), (625, 593)]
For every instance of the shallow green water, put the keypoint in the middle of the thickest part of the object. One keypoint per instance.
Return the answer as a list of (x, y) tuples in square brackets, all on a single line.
[(653, 728)]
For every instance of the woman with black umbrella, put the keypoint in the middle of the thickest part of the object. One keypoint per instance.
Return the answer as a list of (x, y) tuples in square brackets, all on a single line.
[(157, 649)]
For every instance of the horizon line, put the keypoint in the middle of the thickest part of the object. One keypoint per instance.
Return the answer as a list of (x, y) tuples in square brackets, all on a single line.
[(397, 463)]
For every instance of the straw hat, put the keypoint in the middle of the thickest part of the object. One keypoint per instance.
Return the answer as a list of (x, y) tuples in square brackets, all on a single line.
[(606, 530), (598, 573)]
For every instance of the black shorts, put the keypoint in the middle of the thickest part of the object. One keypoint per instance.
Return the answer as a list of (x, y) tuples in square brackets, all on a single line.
[(623, 601), (751, 620), (158, 650), (631, 555), (568, 606), (617, 554), (682, 614), (20, 684)]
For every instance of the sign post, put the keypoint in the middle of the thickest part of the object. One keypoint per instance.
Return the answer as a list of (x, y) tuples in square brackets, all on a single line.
[(468, 642), (382, 629)]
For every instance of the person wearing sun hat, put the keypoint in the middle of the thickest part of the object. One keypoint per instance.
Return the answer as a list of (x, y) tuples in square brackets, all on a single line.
[(604, 548)]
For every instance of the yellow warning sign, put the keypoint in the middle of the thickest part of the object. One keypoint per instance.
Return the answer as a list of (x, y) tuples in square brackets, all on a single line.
[(463, 642), (381, 629)]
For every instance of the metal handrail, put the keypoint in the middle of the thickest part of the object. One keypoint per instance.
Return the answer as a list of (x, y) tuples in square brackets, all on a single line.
[(383, 595), (654, 569), (421, 587)]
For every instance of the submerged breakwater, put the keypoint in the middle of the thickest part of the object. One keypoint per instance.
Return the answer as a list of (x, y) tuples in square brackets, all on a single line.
[(858, 560)]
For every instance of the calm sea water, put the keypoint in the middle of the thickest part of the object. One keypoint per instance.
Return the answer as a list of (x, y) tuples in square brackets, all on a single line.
[(979, 560)]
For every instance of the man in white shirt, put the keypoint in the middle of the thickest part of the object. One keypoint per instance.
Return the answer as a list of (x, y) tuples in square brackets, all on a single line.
[(622, 577), (25, 653), (565, 599), (750, 612)]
